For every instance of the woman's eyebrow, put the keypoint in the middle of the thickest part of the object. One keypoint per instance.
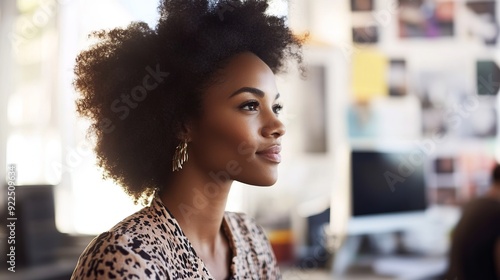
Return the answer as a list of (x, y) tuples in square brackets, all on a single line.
[(252, 90)]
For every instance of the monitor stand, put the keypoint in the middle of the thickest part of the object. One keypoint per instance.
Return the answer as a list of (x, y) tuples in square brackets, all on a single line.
[(345, 255)]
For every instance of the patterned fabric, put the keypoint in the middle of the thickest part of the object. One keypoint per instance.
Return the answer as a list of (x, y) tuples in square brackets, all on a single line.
[(151, 245)]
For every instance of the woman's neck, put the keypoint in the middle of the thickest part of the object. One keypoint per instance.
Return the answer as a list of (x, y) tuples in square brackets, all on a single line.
[(198, 202)]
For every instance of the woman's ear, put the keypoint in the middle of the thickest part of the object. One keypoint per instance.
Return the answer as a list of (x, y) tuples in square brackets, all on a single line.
[(186, 130)]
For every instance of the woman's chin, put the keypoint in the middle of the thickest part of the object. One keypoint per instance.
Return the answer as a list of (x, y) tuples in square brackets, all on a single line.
[(261, 182)]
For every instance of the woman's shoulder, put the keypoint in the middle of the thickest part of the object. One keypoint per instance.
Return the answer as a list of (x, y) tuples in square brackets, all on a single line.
[(141, 222), (146, 227), (130, 248)]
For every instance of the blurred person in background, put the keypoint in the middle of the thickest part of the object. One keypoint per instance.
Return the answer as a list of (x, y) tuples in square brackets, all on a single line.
[(475, 247), (179, 113)]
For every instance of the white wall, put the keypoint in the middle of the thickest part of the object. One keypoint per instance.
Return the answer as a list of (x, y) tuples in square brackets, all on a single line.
[(7, 12)]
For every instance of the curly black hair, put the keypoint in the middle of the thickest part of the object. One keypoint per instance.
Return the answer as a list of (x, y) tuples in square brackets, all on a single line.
[(138, 85)]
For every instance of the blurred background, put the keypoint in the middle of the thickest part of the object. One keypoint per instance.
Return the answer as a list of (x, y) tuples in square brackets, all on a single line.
[(391, 133)]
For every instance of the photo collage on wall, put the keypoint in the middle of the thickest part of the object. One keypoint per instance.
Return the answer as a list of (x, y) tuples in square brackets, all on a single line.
[(454, 89), (440, 90)]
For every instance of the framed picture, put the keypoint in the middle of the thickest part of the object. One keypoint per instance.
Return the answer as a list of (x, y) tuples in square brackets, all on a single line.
[(445, 196), (426, 19), (444, 165), (397, 77), (361, 5), (487, 77), (365, 35), (482, 21)]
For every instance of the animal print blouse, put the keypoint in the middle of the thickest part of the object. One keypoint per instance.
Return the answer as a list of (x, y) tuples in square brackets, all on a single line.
[(151, 245)]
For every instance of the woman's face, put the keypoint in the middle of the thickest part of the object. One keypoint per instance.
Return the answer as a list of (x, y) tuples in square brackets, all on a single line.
[(238, 135)]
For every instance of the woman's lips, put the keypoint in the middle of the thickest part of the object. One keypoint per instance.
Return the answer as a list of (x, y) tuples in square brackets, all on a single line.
[(272, 153)]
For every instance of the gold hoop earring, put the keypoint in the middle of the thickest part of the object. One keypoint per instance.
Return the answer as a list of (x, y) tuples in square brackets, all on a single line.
[(180, 156)]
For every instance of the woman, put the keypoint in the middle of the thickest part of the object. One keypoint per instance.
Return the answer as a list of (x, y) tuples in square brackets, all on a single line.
[(179, 112)]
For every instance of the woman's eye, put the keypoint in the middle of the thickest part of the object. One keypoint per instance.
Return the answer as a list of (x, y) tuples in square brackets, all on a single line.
[(250, 106), (277, 108)]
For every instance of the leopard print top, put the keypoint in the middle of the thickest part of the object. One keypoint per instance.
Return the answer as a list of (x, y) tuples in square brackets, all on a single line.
[(151, 245)]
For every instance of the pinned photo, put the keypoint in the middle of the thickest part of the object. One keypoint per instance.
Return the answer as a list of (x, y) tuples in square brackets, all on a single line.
[(426, 19), (365, 35), (361, 5), (482, 21)]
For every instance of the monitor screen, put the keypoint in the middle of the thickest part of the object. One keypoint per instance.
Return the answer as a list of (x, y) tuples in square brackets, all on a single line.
[(386, 183)]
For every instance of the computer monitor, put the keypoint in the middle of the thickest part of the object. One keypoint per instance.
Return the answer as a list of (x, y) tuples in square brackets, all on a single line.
[(387, 190)]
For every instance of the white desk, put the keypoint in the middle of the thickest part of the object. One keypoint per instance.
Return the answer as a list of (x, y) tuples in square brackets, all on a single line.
[(298, 274)]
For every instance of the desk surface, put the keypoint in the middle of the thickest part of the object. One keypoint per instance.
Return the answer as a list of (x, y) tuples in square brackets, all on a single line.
[(383, 268), (298, 274)]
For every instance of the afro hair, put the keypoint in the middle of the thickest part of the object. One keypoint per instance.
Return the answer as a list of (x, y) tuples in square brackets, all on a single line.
[(138, 85)]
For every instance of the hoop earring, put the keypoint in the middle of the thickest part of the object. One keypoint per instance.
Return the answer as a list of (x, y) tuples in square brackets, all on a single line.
[(180, 156)]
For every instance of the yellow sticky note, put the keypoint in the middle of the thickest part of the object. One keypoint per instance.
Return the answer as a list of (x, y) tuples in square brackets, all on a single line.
[(369, 70)]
